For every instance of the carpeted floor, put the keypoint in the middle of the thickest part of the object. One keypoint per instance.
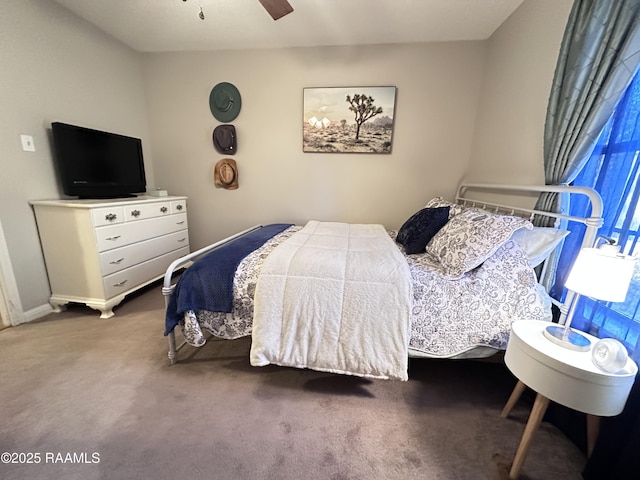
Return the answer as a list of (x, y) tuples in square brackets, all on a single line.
[(85, 398)]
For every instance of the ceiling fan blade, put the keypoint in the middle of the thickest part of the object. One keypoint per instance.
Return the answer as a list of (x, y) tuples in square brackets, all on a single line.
[(277, 8)]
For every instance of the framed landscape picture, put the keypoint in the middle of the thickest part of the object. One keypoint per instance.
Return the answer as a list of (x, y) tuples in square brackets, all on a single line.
[(348, 120)]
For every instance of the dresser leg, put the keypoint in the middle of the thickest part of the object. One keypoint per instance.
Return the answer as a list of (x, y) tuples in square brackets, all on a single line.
[(537, 412), (513, 399)]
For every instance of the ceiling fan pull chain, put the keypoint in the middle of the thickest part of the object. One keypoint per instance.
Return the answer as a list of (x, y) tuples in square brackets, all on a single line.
[(201, 13)]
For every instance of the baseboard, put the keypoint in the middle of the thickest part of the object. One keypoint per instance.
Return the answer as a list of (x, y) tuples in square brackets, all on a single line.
[(37, 313)]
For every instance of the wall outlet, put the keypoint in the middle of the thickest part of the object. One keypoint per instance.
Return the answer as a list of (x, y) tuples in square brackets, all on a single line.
[(27, 143)]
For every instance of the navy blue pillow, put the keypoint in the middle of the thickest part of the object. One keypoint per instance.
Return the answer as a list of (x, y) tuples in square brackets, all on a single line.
[(416, 232)]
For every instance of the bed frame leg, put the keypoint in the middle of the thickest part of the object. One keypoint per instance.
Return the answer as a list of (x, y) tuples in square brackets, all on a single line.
[(172, 348)]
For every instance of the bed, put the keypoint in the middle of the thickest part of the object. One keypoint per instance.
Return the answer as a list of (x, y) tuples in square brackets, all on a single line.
[(391, 297)]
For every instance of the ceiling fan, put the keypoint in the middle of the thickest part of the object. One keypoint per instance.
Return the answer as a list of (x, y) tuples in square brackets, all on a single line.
[(277, 8)]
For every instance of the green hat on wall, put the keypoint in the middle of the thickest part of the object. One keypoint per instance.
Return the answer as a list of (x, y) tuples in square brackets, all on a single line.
[(225, 102)]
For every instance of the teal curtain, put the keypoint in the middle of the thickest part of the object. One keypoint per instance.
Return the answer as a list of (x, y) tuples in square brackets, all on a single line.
[(598, 58)]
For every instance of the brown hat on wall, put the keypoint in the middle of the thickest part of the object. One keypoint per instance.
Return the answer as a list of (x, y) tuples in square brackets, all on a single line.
[(225, 174), (225, 140)]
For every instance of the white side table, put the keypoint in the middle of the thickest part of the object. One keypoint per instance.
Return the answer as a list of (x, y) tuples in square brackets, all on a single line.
[(561, 375)]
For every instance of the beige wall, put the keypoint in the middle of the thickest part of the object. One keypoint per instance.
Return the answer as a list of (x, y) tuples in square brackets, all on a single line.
[(437, 95), (54, 67), (465, 108), (521, 59)]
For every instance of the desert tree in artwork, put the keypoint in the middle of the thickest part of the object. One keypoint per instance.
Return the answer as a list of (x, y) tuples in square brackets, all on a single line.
[(363, 108), (363, 123)]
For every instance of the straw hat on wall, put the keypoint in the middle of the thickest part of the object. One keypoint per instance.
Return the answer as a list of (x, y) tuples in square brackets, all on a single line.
[(225, 174)]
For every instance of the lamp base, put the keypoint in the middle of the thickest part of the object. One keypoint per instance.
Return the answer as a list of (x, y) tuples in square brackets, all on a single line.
[(567, 338)]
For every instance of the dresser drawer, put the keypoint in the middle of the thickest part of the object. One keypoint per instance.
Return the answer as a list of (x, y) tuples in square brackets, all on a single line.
[(107, 216), (146, 210), (127, 233), (118, 259), (132, 277), (178, 206)]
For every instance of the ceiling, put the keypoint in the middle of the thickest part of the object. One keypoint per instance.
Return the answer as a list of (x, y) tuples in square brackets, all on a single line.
[(174, 25)]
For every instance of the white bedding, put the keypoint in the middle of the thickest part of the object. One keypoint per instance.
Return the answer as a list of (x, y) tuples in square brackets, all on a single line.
[(334, 297)]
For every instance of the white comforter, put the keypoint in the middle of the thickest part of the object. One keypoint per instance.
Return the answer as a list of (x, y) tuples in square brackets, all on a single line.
[(334, 297)]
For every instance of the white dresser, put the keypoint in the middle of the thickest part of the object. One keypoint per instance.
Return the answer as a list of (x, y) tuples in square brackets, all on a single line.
[(99, 251)]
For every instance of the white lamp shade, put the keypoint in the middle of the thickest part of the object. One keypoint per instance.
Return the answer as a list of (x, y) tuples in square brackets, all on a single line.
[(601, 273)]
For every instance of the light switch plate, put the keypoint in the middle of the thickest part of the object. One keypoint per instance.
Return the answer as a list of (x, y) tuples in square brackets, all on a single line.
[(27, 143)]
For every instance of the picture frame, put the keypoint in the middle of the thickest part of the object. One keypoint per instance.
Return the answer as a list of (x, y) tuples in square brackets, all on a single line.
[(348, 119)]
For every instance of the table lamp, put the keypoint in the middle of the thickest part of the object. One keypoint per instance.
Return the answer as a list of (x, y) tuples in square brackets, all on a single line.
[(600, 273)]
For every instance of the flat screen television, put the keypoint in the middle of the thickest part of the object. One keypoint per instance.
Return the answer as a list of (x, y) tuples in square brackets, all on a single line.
[(96, 164)]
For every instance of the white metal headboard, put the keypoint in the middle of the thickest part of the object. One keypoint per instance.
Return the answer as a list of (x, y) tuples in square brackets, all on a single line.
[(592, 223)]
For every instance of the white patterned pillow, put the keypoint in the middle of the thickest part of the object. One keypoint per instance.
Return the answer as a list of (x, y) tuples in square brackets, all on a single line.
[(471, 237), (454, 208)]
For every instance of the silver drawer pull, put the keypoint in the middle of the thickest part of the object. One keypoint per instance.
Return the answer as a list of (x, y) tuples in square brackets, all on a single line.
[(163, 209), (116, 262), (120, 284), (182, 239), (110, 217), (135, 213), (113, 238), (180, 223), (178, 207)]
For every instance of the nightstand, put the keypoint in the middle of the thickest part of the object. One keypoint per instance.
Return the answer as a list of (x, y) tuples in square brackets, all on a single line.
[(564, 376)]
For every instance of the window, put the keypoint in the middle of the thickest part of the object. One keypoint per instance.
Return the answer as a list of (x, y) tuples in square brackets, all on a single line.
[(613, 171)]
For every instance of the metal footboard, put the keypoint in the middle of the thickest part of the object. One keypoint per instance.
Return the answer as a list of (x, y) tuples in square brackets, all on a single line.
[(168, 286)]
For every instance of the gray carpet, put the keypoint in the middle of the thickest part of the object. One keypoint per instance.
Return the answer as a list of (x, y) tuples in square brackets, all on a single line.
[(96, 399)]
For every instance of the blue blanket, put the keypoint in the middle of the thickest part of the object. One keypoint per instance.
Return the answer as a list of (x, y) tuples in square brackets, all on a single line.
[(208, 283)]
